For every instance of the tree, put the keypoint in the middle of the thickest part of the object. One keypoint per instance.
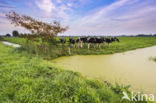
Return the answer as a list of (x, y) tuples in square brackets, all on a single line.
[(8, 35), (37, 28), (15, 33)]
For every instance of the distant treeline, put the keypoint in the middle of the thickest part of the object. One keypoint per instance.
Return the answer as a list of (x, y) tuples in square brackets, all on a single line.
[(139, 35)]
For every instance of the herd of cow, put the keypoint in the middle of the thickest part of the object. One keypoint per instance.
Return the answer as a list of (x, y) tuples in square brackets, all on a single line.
[(95, 41)]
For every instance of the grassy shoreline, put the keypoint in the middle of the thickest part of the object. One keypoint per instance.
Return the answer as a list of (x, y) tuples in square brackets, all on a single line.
[(27, 79)]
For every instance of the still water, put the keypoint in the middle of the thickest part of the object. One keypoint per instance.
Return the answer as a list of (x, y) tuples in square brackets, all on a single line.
[(11, 44), (132, 67)]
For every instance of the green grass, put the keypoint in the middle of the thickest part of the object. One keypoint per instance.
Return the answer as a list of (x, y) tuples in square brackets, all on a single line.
[(16, 40), (28, 79), (53, 51), (126, 43), (25, 77)]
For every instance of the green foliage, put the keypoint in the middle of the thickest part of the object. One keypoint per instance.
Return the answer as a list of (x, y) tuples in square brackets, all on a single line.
[(20, 41), (8, 35), (15, 33), (28, 79)]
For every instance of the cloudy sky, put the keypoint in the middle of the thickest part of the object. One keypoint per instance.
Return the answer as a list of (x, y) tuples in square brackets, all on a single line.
[(86, 17)]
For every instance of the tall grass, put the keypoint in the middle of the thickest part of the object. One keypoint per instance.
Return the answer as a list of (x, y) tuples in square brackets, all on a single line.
[(27, 79)]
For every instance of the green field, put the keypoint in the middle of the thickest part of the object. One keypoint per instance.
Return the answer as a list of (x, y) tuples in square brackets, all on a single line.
[(54, 51), (27, 79)]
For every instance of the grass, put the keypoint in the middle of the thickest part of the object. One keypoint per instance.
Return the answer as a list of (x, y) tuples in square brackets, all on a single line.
[(53, 51), (27, 79)]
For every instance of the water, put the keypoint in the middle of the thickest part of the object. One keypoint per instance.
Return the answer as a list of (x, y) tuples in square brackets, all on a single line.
[(132, 67), (11, 44)]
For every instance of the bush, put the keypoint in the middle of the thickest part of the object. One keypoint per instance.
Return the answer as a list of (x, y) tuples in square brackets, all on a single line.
[(15, 33)]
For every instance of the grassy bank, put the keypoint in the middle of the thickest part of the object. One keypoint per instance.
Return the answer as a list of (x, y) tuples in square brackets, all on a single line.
[(53, 51), (25, 79)]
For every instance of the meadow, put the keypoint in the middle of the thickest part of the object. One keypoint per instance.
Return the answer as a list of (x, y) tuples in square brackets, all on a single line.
[(51, 51)]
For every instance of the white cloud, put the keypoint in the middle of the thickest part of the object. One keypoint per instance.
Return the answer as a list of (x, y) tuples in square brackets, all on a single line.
[(70, 4), (120, 17), (46, 5), (52, 10), (97, 14), (59, 1)]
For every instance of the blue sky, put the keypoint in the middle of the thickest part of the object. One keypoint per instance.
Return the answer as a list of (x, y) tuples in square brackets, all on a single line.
[(86, 17)]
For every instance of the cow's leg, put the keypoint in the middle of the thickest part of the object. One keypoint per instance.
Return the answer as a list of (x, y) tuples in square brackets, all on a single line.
[(81, 44), (69, 52), (104, 44), (77, 45), (88, 45), (94, 45), (109, 44), (99, 45), (74, 45)]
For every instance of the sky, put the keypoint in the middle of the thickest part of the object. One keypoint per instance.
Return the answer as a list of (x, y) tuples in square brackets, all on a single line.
[(86, 17)]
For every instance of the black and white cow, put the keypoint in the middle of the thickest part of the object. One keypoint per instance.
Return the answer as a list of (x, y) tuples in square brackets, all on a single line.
[(98, 41), (72, 42), (62, 40), (109, 41), (81, 41)]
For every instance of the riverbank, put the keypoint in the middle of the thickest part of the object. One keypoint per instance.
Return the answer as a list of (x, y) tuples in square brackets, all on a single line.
[(53, 51), (25, 78)]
